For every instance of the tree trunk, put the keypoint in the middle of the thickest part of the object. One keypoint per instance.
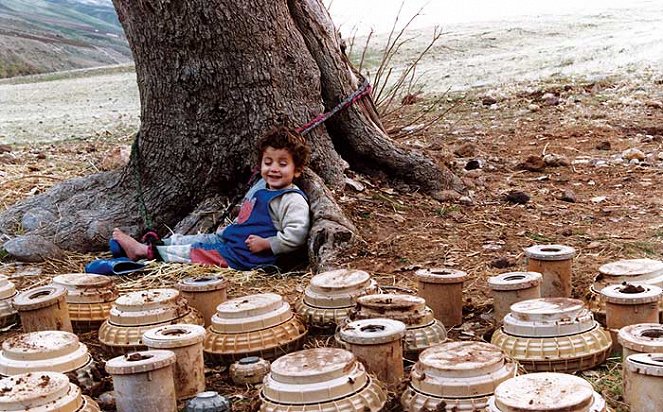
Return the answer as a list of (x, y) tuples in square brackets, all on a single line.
[(213, 77)]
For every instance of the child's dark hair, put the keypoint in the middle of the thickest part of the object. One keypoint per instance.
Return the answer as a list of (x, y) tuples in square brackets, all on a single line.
[(293, 142)]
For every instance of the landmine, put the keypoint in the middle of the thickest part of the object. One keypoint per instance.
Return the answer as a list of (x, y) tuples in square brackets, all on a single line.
[(143, 381), (555, 263), (209, 401), (256, 325), (51, 351), (634, 271), (89, 299), (135, 313), (330, 295), (186, 342), (643, 382), (547, 391), (456, 376), (250, 370), (628, 304), (378, 345), (204, 294), (43, 308), (442, 289), (422, 329), (641, 338), (553, 335), (8, 315), (41, 392), (321, 379), (513, 287)]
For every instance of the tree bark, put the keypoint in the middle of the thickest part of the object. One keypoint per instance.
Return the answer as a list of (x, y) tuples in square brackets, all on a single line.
[(213, 77)]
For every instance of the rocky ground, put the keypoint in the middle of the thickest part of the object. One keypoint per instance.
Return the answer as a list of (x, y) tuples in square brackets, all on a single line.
[(569, 162)]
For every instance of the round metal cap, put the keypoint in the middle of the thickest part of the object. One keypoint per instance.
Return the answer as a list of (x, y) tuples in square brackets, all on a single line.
[(645, 363), (249, 360), (140, 362), (338, 288), (87, 287), (550, 252), (312, 365), (372, 331), (642, 337), (629, 294), (7, 288), (39, 391), (56, 351), (174, 336), (544, 392), (144, 300), (39, 297), (251, 313), (515, 280), (440, 275), (202, 284), (547, 309), (461, 359), (635, 269)]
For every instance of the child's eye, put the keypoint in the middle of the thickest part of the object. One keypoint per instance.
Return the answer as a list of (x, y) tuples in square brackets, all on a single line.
[(283, 164)]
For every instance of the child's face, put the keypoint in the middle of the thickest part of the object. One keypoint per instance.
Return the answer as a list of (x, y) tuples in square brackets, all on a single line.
[(277, 168)]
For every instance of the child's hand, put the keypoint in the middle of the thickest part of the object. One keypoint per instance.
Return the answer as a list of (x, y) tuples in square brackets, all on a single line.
[(257, 244)]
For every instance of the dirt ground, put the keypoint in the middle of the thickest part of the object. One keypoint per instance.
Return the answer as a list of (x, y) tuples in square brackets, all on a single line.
[(617, 210)]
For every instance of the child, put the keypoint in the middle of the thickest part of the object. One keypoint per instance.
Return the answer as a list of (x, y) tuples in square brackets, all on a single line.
[(273, 218)]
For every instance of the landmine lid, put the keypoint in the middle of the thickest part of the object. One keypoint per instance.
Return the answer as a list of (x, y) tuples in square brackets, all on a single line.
[(39, 297), (546, 391), (140, 362), (202, 284), (642, 337), (314, 376), (7, 288), (148, 307), (39, 392), (409, 309), (338, 288), (461, 370), (372, 331), (631, 270), (87, 287), (440, 275), (650, 364), (515, 280), (629, 294), (174, 336), (251, 313), (550, 252), (56, 351), (548, 317)]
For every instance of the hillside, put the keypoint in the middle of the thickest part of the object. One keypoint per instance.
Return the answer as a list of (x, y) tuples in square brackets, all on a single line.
[(40, 36)]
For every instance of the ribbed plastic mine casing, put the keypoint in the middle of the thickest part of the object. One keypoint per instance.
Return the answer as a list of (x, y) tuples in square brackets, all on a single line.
[(89, 299), (553, 335), (43, 392)]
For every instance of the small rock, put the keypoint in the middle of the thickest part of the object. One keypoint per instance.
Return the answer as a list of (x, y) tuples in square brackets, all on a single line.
[(533, 107), (568, 195), (473, 164), (5, 148), (594, 245), (616, 161), (517, 197), (605, 145), (465, 150), (598, 199), (555, 160), (488, 100), (634, 162), (41, 156), (355, 185), (446, 196), (567, 232), (466, 200), (503, 262), (533, 164), (550, 99), (633, 153), (32, 248)]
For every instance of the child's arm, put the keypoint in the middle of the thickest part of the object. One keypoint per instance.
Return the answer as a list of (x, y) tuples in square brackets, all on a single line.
[(291, 217)]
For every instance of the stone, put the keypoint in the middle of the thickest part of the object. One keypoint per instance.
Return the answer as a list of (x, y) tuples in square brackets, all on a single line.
[(355, 185), (517, 197), (465, 150), (633, 153), (488, 100), (568, 195), (533, 107), (473, 164), (36, 218), (533, 164), (446, 196), (503, 262), (550, 99), (466, 200), (556, 160), (32, 248)]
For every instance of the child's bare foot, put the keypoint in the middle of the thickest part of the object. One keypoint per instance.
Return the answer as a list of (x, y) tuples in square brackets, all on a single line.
[(133, 248)]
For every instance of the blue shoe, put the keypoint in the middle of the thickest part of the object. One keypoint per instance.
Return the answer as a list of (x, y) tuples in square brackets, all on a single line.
[(115, 249), (117, 266)]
